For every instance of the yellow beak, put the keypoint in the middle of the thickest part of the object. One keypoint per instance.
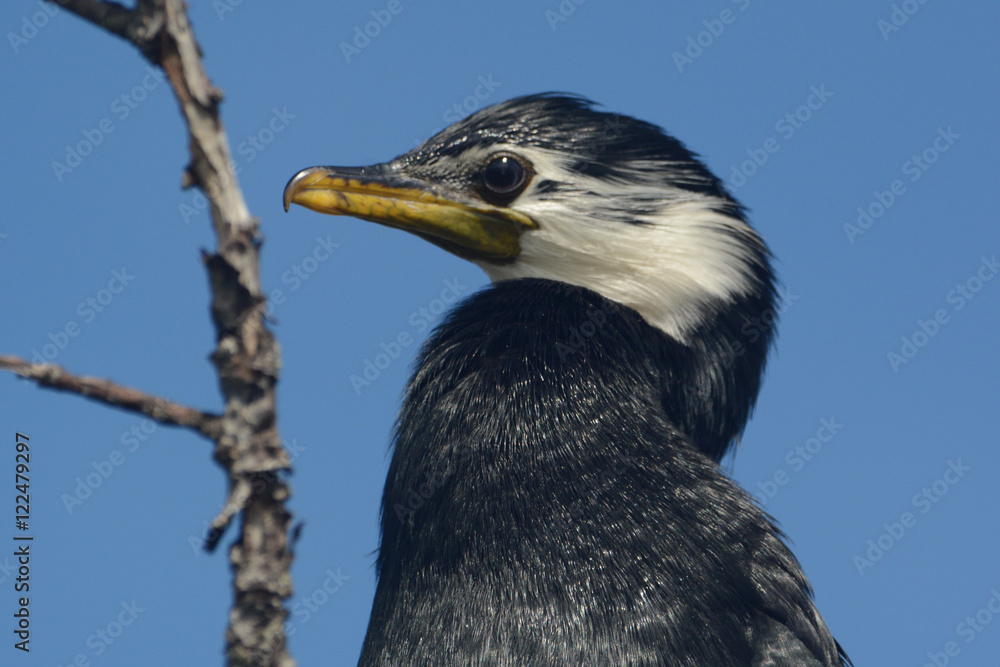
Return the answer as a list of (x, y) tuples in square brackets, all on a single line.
[(472, 230)]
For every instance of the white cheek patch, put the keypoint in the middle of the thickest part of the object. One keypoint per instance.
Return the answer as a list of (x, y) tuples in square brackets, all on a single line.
[(683, 256)]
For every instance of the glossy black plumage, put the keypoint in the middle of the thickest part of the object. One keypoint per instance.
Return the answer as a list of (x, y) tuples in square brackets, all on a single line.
[(543, 508), (554, 495)]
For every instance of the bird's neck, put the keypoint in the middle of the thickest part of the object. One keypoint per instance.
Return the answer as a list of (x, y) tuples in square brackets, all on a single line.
[(544, 438), (537, 343)]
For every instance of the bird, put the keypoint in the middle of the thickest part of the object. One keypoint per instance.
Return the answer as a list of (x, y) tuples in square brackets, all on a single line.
[(555, 494)]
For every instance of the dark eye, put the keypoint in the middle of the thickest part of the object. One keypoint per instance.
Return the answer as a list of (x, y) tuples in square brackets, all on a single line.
[(504, 177)]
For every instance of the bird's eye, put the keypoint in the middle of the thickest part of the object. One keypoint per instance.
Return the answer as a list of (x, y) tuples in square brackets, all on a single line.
[(504, 177)]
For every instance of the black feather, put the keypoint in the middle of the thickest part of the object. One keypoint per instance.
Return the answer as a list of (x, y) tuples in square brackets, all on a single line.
[(545, 506), (604, 145)]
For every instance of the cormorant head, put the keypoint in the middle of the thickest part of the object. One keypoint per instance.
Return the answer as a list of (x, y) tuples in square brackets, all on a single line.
[(545, 186)]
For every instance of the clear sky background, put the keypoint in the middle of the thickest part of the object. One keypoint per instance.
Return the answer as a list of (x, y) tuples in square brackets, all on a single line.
[(882, 472)]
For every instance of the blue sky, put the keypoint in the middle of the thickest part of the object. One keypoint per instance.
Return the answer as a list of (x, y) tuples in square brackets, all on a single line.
[(862, 136)]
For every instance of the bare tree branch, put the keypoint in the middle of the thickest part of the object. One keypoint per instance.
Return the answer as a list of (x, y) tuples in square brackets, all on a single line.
[(246, 357), (126, 398)]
